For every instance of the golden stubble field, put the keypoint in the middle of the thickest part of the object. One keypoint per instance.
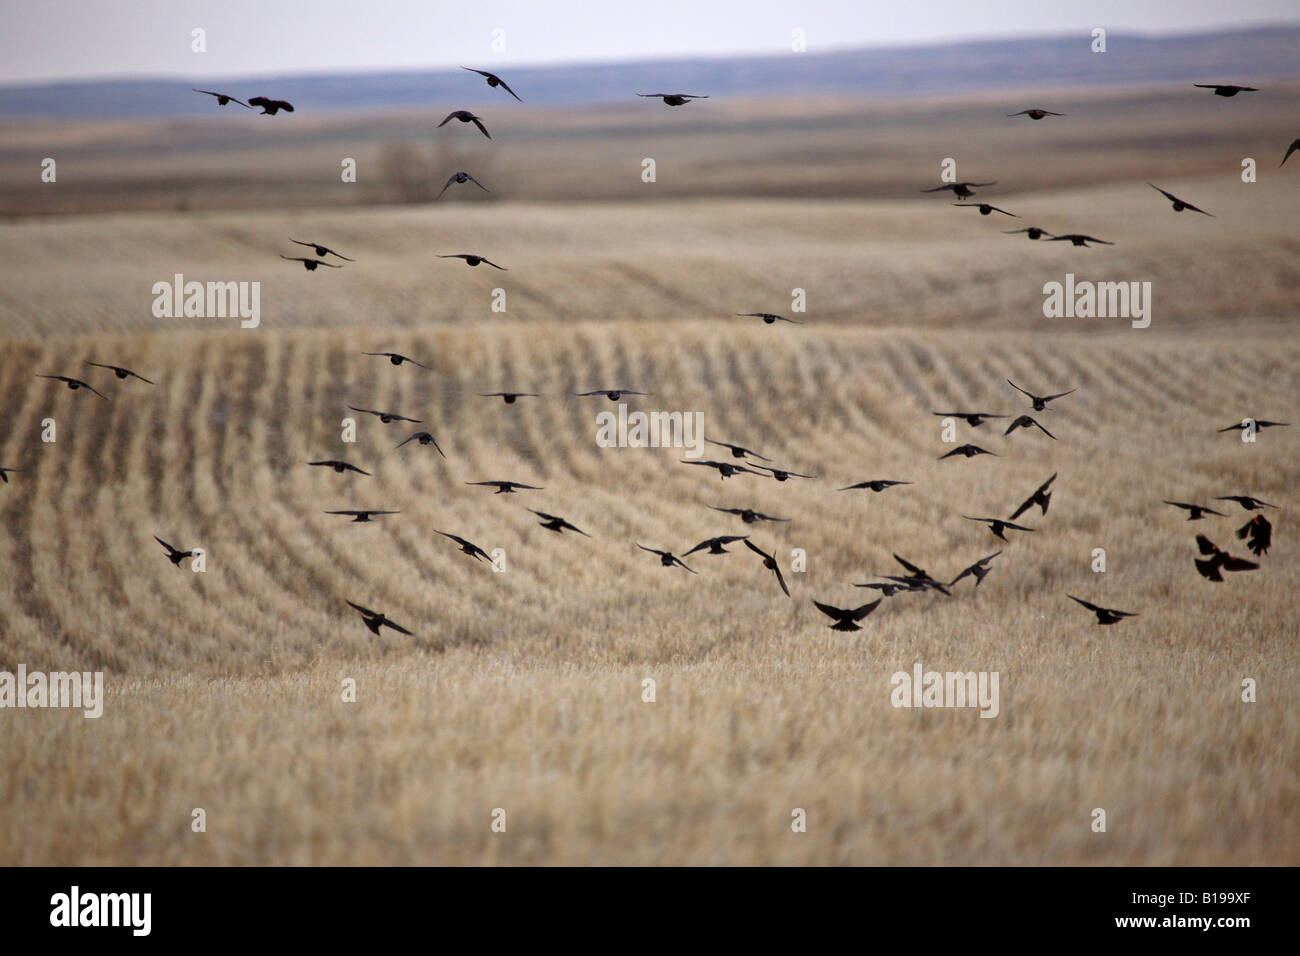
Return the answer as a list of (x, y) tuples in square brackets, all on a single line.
[(522, 690)]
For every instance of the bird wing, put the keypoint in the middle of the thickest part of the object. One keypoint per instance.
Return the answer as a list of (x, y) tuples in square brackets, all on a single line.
[(397, 627), (481, 128), (1042, 429), (1290, 149), (1050, 398), (506, 87), (860, 612), (1205, 545), (830, 610), (495, 266), (1088, 605), (364, 610)]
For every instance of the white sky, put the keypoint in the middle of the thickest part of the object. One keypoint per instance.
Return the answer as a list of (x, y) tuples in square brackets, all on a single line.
[(43, 40)]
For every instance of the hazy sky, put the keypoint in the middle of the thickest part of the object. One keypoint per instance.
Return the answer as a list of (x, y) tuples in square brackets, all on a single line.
[(56, 39)]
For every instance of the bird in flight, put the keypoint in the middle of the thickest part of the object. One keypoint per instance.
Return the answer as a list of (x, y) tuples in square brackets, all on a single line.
[(270, 107), (493, 81), (462, 178), (1041, 497), (1219, 560), (1260, 533), (1295, 144), (1027, 421), (768, 317), (978, 570), (973, 419), (1035, 114), (666, 558), (1033, 231), (121, 372), (1226, 89), (1180, 204), (424, 438), (969, 451), (1246, 501), (890, 588), (845, 618), (310, 264), (338, 466), (985, 208), (74, 384), (472, 260), (505, 487), (224, 99), (507, 397), (738, 451), (1040, 401), (769, 562), (375, 620), (174, 555), (321, 251), (1259, 423), (465, 116), (998, 525), (557, 524), (613, 394), (916, 575), (364, 515), (396, 358), (387, 417), (1197, 512), (1078, 239), (960, 190), (676, 99), (4, 475), (747, 515), (781, 474), (716, 545), (1105, 615), (467, 547), (876, 484), (725, 469)]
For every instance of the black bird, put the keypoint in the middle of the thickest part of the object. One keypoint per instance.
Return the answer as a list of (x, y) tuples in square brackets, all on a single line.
[(737, 451), (716, 545), (676, 99), (1197, 511), (473, 260), (387, 417), (1040, 401), (1035, 114), (270, 107), (1246, 501), (970, 451), (121, 372), (557, 524), (462, 178), (1034, 232), (725, 469), (467, 547), (973, 419), (768, 317), (505, 487), (979, 569), (998, 525), (1259, 423), (375, 620), (1260, 533), (321, 251), (74, 384), (465, 116), (507, 397), (845, 618), (4, 475), (224, 99), (1041, 497), (1295, 144), (960, 190), (985, 208), (1180, 204), (309, 264), (396, 358), (666, 558), (1220, 560), (338, 466), (781, 474), (769, 562), (1226, 89), (747, 515), (917, 575), (1078, 239), (174, 555), (1026, 421), (891, 588), (424, 438), (877, 485), (362, 516), (1105, 615), (493, 80), (613, 394)]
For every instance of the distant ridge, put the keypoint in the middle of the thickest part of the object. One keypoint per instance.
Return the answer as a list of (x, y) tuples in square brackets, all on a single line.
[(1256, 54)]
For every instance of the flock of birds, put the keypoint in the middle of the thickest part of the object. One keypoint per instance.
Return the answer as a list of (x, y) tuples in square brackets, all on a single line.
[(1257, 532)]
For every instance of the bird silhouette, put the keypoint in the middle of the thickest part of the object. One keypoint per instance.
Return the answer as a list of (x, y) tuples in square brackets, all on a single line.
[(1105, 615), (973, 419), (310, 264), (978, 570), (121, 372), (338, 466), (845, 618), (1035, 114), (891, 587), (985, 208), (999, 525), (666, 558), (1197, 512), (1226, 89), (473, 260), (737, 451), (769, 562), (375, 620), (725, 468), (716, 545), (1040, 401), (5, 472), (505, 487), (1259, 424), (1260, 533), (613, 394), (768, 317), (507, 397), (917, 575), (174, 555), (1180, 204), (1219, 560), (747, 515), (493, 81), (1041, 497), (960, 190), (424, 438), (462, 178), (876, 484), (387, 417), (465, 116), (969, 451), (1027, 421), (270, 107), (1078, 239), (1034, 232), (1246, 501), (1295, 144), (557, 524), (396, 358), (321, 251), (363, 515), (676, 99), (224, 99), (467, 547), (74, 384), (782, 474)]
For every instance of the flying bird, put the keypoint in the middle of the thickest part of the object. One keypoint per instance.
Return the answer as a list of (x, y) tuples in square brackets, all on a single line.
[(121, 372), (1260, 533), (1105, 615), (74, 384), (845, 619), (557, 524), (472, 260), (973, 419), (1033, 231), (1226, 89), (1180, 204), (1295, 144), (465, 116), (917, 575), (998, 525), (985, 208), (1246, 501), (387, 417), (507, 397), (877, 485), (363, 516), (1078, 239), (781, 474), (174, 555), (424, 438), (613, 394), (375, 620), (4, 475), (1027, 421), (1219, 560), (1259, 423), (1035, 114), (493, 81), (676, 99), (716, 545), (738, 451), (725, 469), (890, 588), (960, 190), (769, 562), (338, 466), (970, 451), (768, 317), (1040, 401), (310, 264), (666, 558), (1197, 512), (270, 107), (505, 487), (978, 570), (396, 358), (462, 178), (224, 99), (1041, 497), (321, 251), (747, 515), (467, 547)]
